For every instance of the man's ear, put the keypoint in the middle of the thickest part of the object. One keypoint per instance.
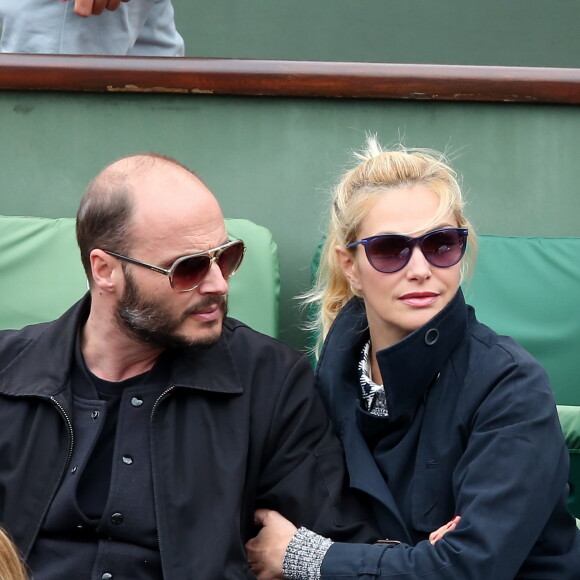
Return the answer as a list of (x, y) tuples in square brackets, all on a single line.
[(105, 269), (348, 265)]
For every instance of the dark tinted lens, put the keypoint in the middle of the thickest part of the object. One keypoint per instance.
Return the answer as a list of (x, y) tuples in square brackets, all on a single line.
[(230, 259), (190, 272), (444, 248), (388, 253)]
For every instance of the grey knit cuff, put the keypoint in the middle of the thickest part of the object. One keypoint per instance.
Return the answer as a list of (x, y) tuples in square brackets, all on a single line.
[(304, 555)]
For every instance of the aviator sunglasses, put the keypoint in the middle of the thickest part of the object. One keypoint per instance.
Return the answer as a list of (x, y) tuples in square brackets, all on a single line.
[(390, 253), (188, 272)]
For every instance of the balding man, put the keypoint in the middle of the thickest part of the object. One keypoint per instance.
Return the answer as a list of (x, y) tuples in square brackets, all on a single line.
[(141, 430)]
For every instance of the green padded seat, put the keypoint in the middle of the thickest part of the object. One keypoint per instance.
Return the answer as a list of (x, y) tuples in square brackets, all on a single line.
[(528, 288), (570, 421), (41, 274)]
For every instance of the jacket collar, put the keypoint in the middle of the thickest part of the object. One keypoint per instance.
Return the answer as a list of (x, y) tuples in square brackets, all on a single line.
[(408, 368), (42, 366)]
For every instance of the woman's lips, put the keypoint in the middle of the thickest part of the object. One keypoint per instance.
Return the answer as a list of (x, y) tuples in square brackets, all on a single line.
[(419, 299)]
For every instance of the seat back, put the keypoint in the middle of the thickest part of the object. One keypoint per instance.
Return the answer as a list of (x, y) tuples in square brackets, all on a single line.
[(41, 274), (570, 421), (528, 288)]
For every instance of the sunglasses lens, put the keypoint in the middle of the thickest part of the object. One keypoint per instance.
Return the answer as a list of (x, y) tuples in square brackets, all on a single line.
[(388, 253), (444, 248), (230, 259), (190, 272), (391, 253)]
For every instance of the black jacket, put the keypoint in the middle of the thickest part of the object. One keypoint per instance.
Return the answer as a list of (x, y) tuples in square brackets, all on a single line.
[(472, 431), (239, 427)]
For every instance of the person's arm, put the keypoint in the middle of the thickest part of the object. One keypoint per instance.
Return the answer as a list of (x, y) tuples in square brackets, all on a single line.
[(87, 7), (506, 486), (281, 551), (303, 473)]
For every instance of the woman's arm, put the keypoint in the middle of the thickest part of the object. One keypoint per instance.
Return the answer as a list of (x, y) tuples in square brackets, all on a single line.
[(267, 551)]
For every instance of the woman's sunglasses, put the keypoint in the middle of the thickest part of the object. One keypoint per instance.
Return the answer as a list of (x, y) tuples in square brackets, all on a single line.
[(188, 272), (389, 253)]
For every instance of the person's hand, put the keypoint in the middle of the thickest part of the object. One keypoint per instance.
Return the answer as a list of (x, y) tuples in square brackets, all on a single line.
[(266, 551), (87, 7), (435, 536)]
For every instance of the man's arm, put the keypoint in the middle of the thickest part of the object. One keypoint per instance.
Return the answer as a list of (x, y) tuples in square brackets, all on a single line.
[(303, 472)]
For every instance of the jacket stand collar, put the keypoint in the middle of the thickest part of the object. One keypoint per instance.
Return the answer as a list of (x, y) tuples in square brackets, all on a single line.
[(409, 367)]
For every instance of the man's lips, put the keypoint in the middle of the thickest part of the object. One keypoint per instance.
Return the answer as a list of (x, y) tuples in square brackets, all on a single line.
[(419, 299), (208, 310)]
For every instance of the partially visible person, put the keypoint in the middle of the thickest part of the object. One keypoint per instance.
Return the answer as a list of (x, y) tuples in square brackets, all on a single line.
[(11, 566), (106, 27), (438, 414)]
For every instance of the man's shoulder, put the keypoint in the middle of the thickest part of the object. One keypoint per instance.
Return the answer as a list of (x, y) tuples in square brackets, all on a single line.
[(14, 342), (249, 342), (25, 334)]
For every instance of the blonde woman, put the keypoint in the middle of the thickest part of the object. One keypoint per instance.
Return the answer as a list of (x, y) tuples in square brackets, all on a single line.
[(439, 416), (11, 567)]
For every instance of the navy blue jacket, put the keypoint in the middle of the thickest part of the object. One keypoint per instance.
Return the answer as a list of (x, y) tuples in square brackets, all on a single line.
[(472, 431)]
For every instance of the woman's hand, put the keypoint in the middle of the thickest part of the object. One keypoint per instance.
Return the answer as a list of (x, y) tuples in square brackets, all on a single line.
[(435, 536), (266, 551)]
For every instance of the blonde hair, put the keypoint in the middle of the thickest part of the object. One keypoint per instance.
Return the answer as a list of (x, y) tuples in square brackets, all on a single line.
[(11, 565), (379, 170)]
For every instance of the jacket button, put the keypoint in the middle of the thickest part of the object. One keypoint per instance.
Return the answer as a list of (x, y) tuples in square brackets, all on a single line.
[(94, 415), (431, 336), (107, 576), (127, 459), (136, 402), (117, 518)]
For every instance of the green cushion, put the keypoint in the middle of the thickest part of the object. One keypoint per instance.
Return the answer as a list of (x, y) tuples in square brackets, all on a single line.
[(570, 421), (528, 288), (42, 275)]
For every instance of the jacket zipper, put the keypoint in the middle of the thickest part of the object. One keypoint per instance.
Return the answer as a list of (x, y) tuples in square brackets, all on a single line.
[(161, 396), (70, 430), (64, 414), (159, 399)]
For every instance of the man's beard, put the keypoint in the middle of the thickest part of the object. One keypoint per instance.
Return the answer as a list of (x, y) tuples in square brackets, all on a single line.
[(149, 322)]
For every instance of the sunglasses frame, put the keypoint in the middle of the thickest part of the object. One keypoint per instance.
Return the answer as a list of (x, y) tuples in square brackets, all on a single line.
[(213, 254), (412, 242)]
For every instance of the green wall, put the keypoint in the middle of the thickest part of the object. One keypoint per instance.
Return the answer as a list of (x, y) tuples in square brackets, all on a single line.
[(273, 160), (485, 32)]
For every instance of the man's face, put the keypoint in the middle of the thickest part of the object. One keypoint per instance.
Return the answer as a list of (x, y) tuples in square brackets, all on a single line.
[(175, 216), (155, 321)]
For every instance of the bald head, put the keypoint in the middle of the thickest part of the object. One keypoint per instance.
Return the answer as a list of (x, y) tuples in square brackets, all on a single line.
[(124, 197)]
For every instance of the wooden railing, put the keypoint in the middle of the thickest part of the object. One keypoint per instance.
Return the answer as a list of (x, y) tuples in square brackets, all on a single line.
[(289, 78)]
